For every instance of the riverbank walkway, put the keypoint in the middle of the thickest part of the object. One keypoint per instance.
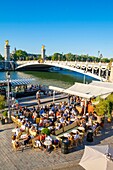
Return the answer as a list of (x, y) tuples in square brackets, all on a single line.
[(32, 159), (32, 101)]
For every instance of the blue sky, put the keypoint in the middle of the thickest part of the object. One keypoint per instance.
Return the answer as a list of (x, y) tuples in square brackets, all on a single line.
[(76, 26)]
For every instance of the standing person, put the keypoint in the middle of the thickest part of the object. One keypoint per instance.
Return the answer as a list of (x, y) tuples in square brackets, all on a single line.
[(38, 97), (69, 97)]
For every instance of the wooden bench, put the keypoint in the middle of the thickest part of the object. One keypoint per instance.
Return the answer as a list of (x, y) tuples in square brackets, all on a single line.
[(57, 132)]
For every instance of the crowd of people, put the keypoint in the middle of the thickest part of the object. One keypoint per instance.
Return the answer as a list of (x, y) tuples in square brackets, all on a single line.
[(54, 117)]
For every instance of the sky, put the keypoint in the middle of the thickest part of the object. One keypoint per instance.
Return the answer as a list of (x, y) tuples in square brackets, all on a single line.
[(64, 26)]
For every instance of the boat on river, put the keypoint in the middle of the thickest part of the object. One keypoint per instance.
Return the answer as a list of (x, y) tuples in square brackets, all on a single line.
[(21, 88)]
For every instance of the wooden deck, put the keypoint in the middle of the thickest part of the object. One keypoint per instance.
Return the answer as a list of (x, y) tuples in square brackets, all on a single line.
[(31, 159)]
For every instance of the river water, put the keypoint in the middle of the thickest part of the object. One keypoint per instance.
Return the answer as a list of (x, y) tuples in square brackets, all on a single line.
[(62, 78)]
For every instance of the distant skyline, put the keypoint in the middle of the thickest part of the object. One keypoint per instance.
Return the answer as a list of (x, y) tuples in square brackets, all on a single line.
[(64, 26)]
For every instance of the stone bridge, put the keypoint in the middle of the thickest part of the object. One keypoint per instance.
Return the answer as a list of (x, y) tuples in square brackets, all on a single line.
[(99, 71)]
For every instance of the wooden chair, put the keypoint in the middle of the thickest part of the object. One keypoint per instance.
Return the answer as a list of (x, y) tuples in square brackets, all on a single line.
[(56, 146), (97, 130), (75, 142), (81, 138)]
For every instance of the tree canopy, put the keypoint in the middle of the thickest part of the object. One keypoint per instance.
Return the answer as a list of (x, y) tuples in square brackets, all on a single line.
[(20, 55), (1, 57), (105, 106)]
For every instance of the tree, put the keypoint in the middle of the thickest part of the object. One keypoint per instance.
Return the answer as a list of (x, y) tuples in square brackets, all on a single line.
[(70, 57), (56, 56), (2, 102), (101, 108), (19, 55), (1, 57), (105, 106)]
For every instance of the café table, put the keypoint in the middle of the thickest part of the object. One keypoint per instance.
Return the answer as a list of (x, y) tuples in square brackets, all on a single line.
[(51, 117), (81, 128), (66, 135), (72, 119), (47, 143), (22, 117), (23, 136), (74, 131)]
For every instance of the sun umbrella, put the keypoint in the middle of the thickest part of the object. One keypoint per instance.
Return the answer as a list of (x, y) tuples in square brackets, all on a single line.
[(97, 157)]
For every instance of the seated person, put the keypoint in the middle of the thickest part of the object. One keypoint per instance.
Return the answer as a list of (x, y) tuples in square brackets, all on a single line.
[(71, 139), (17, 131), (76, 138), (57, 126), (55, 142), (15, 142), (26, 141), (38, 144), (33, 131), (42, 137), (48, 147), (95, 126), (23, 127)]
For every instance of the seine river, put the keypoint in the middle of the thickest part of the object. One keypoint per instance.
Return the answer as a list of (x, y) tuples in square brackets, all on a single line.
[(62, 78)]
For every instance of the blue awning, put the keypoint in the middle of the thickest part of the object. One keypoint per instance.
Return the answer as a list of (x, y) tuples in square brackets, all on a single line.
[(18, 82)]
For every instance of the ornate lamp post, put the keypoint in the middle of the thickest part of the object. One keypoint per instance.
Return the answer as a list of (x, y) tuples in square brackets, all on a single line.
[(99, 68), (8, 95), (53, 96)]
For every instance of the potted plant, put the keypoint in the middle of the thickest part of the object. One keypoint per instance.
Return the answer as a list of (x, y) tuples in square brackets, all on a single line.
[(105, 106), (2, 106), (4, 118), (45, 131), (109, 112), (101, 110)]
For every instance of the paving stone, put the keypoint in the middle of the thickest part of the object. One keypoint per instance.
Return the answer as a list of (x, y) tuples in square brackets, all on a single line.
[(31, 159)]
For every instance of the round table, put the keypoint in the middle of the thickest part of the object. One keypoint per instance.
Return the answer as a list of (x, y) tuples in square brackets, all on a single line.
[(74, 131), (51, 117), (81, 128), (66, 135), (47, 143), (22, 117), (23, 136), (72, 119)]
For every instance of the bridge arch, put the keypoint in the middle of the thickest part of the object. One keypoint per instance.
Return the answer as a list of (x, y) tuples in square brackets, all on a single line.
[(63, 65)]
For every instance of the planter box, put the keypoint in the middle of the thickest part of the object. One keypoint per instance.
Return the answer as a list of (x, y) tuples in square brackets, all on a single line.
[(2, 121)]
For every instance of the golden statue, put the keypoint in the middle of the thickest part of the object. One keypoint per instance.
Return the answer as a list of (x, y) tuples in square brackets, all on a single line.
[(7, 42), (43, 46)]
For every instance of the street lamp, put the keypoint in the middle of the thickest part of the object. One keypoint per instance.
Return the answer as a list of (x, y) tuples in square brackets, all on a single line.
[(84, 78), (53, 96), (8, 95)]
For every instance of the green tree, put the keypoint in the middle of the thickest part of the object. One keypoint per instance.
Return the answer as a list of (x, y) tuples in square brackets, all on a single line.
[(19, 55), (49, 58), (2, 102), (105, 106), (101, 108), (1, 57), (70, 57), (56, 56)]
